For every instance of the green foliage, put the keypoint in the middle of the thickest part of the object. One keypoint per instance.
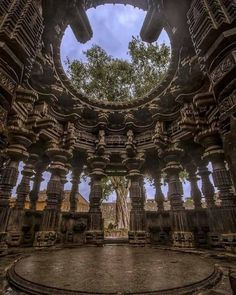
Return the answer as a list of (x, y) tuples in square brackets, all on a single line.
[(107, 188), (103, 77)]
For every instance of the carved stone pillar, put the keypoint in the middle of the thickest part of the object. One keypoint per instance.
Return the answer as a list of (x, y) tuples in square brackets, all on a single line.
[(207, 187), (222, 180), (221, 176), (229, 142), (182, 235), (23, 188), (159, 196), (8, 179), (76, 172), (95, 199), (137, 232), (16, 220), (97, 165), (175, 188), (222, 228), (34, 193), (49, 234), (137, 213), (20, 139), (195, 191), (62, 196)]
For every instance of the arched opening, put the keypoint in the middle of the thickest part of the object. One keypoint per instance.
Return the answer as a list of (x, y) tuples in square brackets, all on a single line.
[(115, 65)]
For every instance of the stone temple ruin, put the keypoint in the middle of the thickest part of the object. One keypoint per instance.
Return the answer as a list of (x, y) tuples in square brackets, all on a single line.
[(186, 122)]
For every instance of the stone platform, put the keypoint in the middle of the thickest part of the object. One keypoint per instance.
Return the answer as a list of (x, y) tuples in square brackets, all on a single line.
[(112, 270)]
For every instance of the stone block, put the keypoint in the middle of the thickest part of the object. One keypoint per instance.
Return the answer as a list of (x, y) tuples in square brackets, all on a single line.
[(45, 239)]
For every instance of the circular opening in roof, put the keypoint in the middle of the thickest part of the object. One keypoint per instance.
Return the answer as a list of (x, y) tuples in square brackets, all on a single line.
[(115, 65)]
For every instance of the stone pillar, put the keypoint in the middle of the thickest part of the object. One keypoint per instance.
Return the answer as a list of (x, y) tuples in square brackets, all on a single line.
[(137, 230), (23, 188), (95, 199), (175, 188), (95, 234), (210, 139), (182, 235), (97, 165), (222, 229), (195, 191), (159, 196), (74, 190), (34, 193), (16, 220), (8, 179), (49, 231), (20, 140), (207, 187), (62, 196), (222, 180)]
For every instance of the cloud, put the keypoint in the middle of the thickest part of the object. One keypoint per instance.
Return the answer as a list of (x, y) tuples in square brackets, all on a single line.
[(113, 27)]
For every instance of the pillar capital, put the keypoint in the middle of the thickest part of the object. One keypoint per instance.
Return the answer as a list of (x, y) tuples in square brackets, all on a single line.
[(97, 164), (134, 164)]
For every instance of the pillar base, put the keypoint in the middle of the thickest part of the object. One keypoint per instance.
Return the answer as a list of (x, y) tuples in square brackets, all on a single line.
[(137, 237), (45, 238), (3, 243), (214, 240), (183, 239), (14, 238), (228, 241), (95, 237)]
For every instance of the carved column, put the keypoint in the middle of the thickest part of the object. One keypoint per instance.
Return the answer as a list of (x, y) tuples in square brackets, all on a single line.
[(49, 233), (16, 220), (175, 188), (222, 228), (159, 196), (76, 172), (20, 139), (182, 235), (63, 182), (222, 180), (97, 165), (34, 193), (221, 176), (95, 199), (137, 232), (23, 188), (195, 191), (207, 187)]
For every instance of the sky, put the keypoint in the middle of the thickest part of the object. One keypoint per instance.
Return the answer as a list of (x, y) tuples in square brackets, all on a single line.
[(113, 27)]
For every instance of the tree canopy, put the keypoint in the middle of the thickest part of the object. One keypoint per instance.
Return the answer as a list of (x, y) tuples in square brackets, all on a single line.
[(104, 77)]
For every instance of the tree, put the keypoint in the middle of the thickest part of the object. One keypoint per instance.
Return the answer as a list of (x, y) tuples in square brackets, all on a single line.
[(103, 77)]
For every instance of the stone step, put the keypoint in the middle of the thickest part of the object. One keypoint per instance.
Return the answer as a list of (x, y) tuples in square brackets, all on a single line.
[(113, 241)]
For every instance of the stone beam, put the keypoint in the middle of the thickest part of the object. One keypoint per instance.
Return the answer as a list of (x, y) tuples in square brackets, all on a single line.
[(80, 24), (152, 26)]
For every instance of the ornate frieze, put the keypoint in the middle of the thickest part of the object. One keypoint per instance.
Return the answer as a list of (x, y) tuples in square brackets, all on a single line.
[(225, 66), (227, 106), (21, 28), (205, 16), (7, 82)]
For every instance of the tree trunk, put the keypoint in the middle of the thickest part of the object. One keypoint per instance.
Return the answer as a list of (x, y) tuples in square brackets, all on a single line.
[(122, 212)]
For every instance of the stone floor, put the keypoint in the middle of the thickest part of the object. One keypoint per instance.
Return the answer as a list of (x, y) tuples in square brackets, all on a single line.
[(119, 269)]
